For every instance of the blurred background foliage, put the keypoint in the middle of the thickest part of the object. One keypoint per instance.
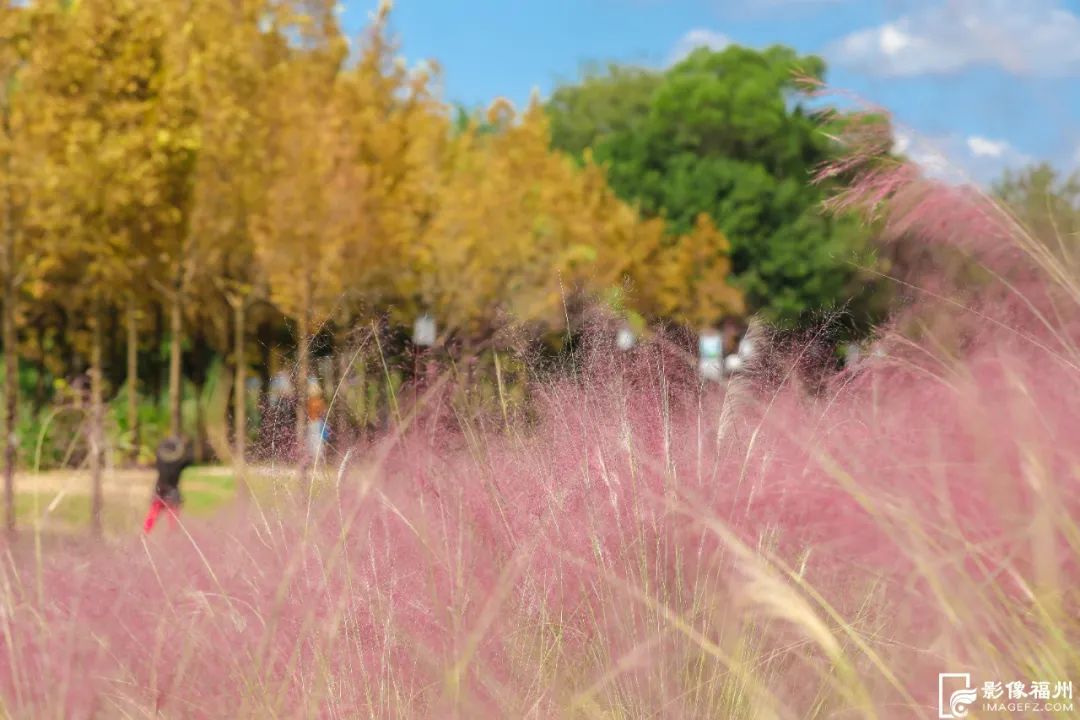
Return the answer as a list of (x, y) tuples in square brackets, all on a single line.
[(202, 196)]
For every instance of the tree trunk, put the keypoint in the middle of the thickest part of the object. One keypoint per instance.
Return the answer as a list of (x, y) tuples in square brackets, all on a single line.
[(199, 439), (330, 364), (303, 370), (363, 408), (341, 417), (133, 382), (239, 398), (11, 351), (40, 389), (157, 376), (175, 330), (265, 339), (11, 376), (97, 424)]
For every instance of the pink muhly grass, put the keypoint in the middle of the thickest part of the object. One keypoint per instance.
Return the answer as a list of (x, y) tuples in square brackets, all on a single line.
[(640, 545)]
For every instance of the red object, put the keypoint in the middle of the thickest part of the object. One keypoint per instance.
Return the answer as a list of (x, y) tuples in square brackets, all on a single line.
[(155, 510)]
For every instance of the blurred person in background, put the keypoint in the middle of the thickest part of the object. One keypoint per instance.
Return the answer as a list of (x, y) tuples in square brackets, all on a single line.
[(316, 412), (174, 454)]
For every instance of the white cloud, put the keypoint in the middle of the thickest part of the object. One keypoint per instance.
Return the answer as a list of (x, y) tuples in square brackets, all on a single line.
[(984, 147), (901, 142), (928, 155), (1032, 37), (698, 37), (959, 159), (893, 40)]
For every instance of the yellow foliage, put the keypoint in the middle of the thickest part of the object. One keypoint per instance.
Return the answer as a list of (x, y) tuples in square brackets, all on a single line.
[(108, 141), (212, 143), (687, 279), (518, 230)]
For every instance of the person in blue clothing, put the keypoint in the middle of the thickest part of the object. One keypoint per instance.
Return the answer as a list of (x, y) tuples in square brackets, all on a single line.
[(317, 431)]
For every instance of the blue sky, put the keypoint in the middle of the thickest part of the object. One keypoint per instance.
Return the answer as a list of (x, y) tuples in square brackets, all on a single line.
[(975, 86)]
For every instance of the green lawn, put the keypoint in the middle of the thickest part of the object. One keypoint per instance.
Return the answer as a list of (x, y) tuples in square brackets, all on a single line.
[(206, 489), (61, 500)]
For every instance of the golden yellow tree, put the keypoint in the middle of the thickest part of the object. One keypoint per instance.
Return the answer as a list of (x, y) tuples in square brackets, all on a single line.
[(107, 160), (15, 170), (392, 137), (236, 56), (687, 278), (518, 230), (299, 228)]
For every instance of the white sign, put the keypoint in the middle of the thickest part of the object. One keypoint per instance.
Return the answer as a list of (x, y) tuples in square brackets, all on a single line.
[(710, 345), (424, 331), (625, 338), (710, 355)]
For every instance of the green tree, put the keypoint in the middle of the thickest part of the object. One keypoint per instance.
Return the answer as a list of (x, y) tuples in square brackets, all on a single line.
[(602, 104), (1047, 205), (728, 134)]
